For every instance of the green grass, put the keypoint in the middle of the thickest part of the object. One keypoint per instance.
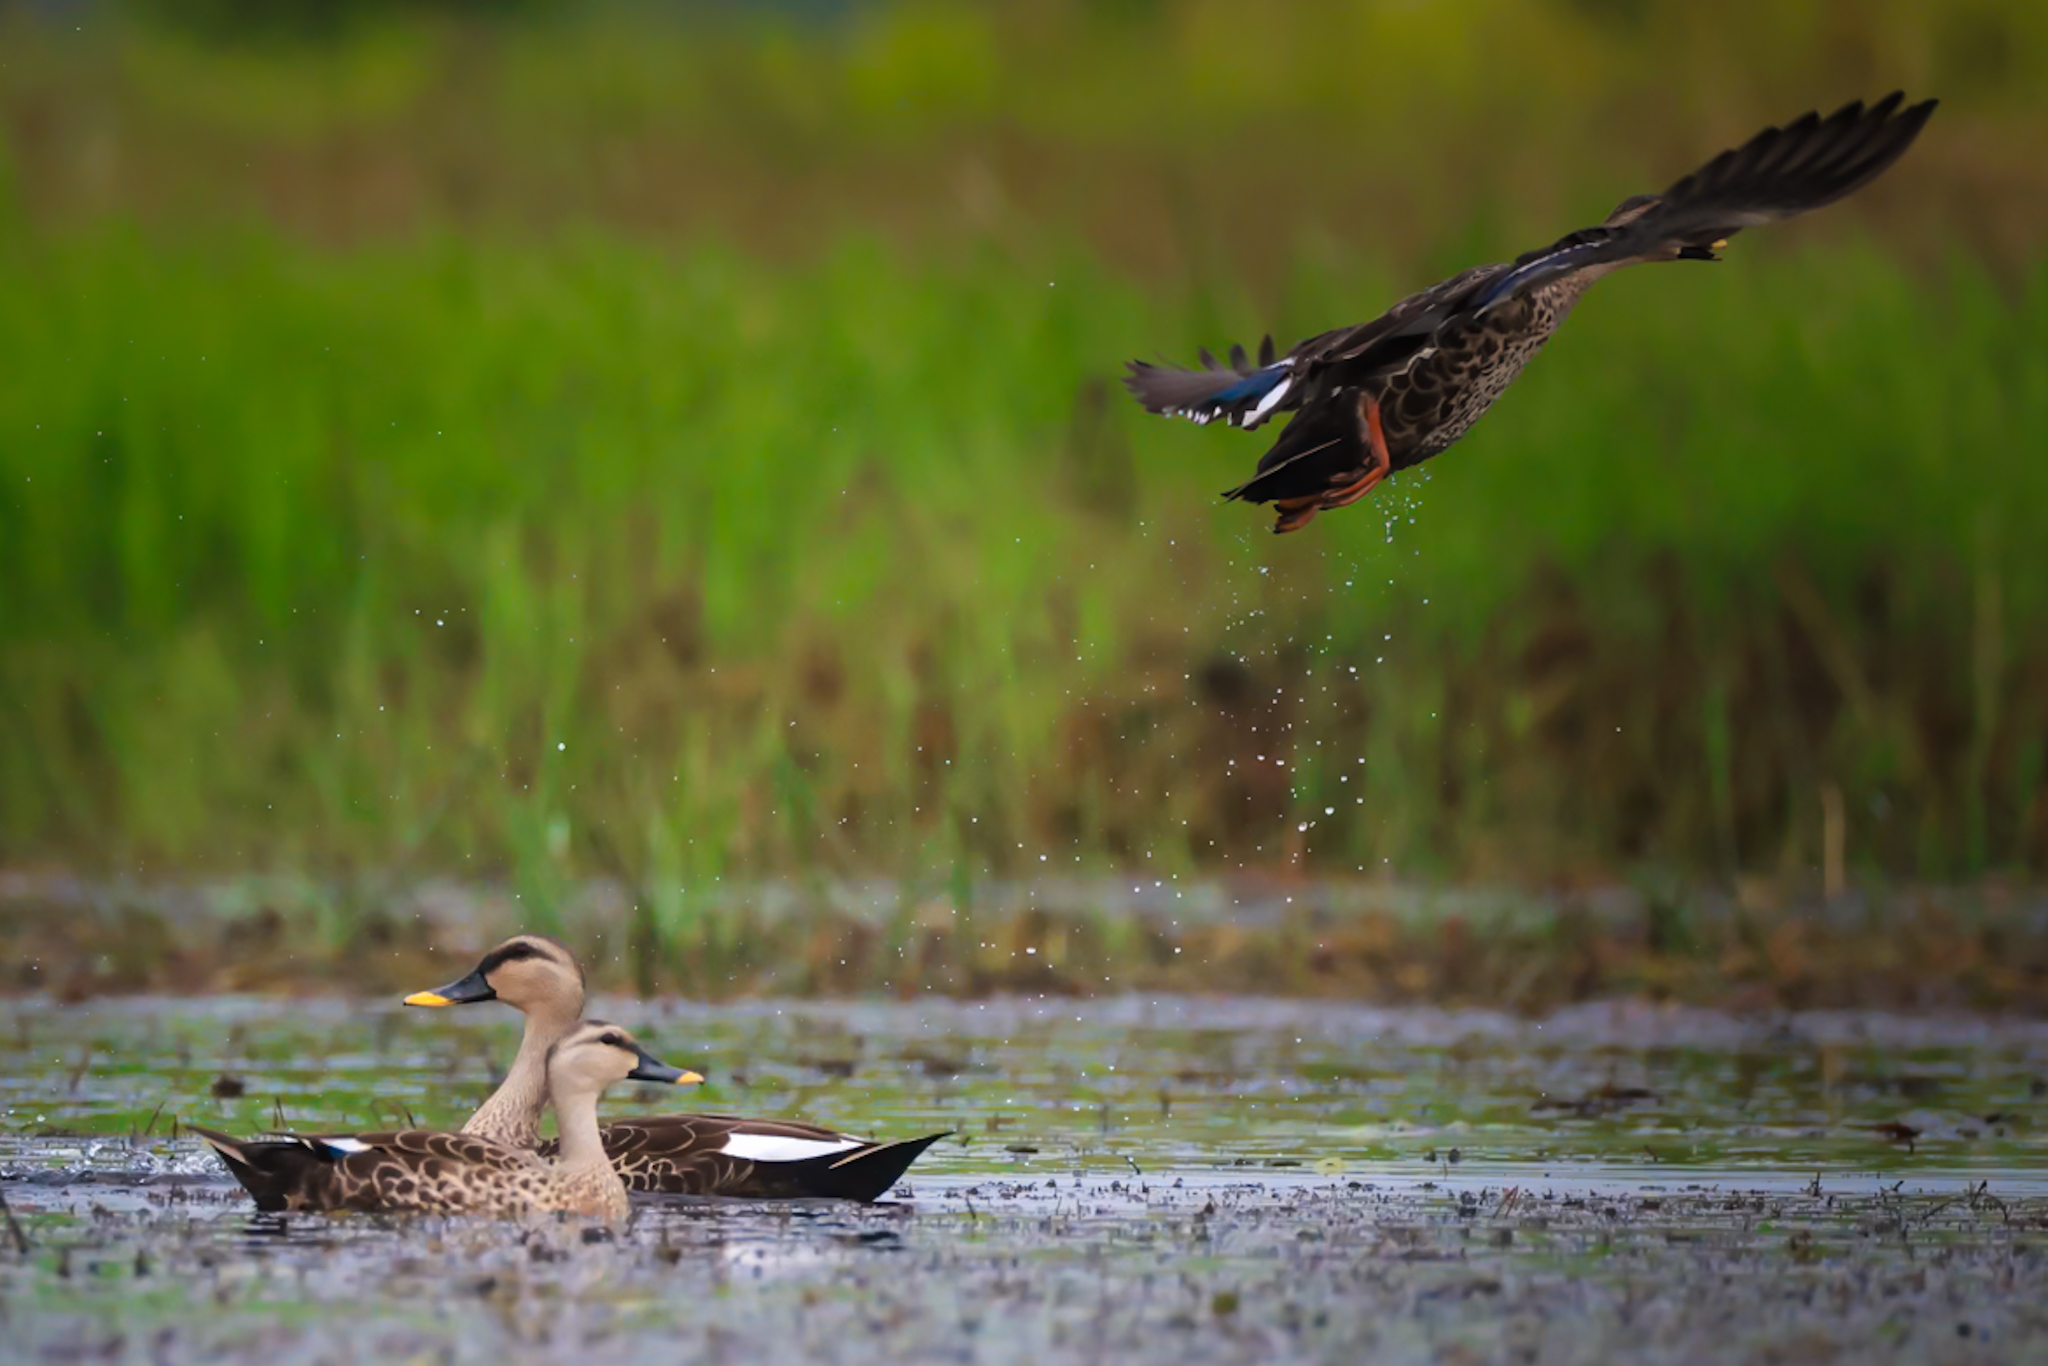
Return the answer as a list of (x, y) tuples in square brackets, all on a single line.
[(363, 508), (588, 557)]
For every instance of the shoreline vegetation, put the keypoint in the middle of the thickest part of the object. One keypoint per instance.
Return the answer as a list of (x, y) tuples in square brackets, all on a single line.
[(1982, 949), (547, 453)]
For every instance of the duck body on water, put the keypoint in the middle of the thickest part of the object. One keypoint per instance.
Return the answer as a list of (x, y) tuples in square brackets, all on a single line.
[(687, 1154), (428, 1172), (499, 1164)]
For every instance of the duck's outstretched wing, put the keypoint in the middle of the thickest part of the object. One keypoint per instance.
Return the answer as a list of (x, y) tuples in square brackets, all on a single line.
[(1779, 173)]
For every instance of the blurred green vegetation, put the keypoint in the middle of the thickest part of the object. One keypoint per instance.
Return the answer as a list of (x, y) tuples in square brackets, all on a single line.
[(672, 449)]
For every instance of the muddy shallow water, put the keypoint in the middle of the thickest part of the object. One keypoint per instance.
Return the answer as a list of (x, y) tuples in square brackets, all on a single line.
[(1194, 1180)]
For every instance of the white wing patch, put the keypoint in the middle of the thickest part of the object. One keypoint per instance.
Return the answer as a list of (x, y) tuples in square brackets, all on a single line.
[(342, 1147), (1203, 416), (1268, 403), (777, 1148)]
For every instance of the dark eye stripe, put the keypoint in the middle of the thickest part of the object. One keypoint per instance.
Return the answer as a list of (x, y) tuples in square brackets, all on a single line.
[(511, 953)]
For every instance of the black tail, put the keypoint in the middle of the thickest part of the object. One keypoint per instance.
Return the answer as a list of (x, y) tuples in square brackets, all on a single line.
[(1318, 447), (865, 1175), (269, 1169)]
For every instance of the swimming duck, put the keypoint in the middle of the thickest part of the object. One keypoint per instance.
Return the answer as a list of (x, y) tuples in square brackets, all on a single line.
[(1389, 394), (426, 1172), (670, 1154)]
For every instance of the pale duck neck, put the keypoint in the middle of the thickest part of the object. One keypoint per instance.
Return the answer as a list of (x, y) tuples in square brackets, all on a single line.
[(512, 1114), (582, 1144)]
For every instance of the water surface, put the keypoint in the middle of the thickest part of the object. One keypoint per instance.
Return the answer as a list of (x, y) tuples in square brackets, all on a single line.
[(1129, 1179)]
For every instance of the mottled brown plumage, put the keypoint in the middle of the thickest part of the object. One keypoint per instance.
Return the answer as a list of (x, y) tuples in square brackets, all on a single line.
[(668, 1154), (1391, 393), (425, 1172)]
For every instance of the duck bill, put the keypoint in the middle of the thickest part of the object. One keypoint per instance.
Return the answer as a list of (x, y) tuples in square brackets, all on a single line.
[(462, 992), (652, 1068)]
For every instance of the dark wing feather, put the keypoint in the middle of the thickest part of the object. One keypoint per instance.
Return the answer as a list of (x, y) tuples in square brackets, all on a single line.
[(1391, 341), (684, 1155), (675, 1135), (715, 1129), (1785, 171), (1779, 173)]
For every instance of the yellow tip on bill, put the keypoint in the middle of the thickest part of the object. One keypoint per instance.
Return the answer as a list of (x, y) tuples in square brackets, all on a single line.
[(689, 1078), (428, 998)]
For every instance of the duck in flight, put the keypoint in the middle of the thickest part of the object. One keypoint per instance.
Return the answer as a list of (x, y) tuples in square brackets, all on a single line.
[(1382, 396)]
